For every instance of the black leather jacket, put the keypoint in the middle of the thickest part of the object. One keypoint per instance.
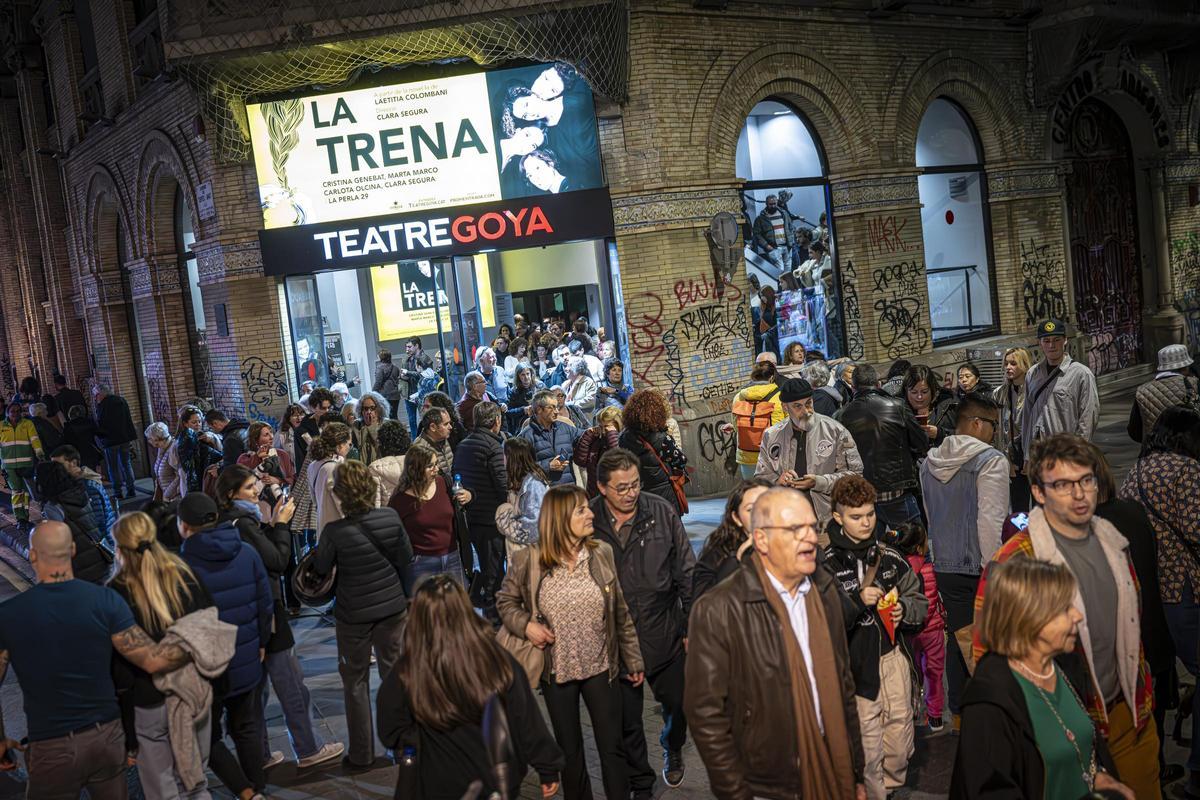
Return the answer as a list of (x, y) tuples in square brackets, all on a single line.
[(888, 438)]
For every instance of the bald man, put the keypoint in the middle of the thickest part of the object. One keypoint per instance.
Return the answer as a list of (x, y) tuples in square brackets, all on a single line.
[(768, 669), (60, 635)]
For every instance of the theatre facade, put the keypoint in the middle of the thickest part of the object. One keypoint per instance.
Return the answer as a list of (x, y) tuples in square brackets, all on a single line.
[(238, 220)]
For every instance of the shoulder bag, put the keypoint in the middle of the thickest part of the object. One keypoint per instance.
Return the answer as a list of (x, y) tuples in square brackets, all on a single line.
[(531, 658), (677, 481)]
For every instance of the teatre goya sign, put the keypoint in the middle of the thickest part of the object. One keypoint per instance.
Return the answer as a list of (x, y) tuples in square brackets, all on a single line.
[(436, 167)]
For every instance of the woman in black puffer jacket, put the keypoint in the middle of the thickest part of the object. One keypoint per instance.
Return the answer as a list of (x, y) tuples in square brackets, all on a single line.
[(65, 499), (645, 435), (370, 548)]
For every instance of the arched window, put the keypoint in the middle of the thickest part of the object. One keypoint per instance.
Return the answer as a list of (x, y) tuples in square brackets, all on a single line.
[(789, 242), (953, 192)]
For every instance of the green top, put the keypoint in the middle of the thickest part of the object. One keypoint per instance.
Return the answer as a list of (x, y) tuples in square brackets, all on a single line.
[(1064, 773)]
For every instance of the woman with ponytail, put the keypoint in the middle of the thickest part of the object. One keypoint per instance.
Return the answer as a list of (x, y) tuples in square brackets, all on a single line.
[(160, 588)]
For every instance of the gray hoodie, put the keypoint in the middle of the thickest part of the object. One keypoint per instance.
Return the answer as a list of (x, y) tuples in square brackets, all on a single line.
[(991, 485)]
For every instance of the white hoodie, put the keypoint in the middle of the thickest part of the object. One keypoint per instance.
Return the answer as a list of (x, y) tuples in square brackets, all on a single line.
[(991, 485)]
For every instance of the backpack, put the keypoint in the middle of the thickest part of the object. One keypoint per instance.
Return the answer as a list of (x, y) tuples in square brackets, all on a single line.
[(750, 421)]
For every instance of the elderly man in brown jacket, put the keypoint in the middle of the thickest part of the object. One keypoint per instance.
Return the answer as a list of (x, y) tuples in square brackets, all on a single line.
[(773, 715)]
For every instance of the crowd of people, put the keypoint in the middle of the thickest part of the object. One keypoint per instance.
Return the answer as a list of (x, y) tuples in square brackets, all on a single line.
[(897, 555)]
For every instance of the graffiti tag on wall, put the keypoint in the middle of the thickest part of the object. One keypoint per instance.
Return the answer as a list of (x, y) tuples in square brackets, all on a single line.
[(899, 327), (1042, 279), (855, 346)]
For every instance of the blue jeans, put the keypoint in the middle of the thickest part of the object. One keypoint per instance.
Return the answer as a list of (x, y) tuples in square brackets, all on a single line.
[(747, 471), (895, 513), (119, 462), (423, 566), (1184, 620), (288, 681), (412, 417)]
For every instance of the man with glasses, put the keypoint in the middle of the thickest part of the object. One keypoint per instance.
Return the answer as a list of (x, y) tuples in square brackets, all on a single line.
[(654, 565), (807, 451), (784, 725), (1063, 529), (964, 482)]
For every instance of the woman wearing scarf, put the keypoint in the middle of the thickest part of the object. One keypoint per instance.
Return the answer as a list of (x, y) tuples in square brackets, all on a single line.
[(238, 493)]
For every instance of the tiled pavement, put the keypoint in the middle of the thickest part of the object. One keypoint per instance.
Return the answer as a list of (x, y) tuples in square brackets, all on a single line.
[(928, 777)]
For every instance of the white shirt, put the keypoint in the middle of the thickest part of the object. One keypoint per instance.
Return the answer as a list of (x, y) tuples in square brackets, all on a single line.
[(798, 614)]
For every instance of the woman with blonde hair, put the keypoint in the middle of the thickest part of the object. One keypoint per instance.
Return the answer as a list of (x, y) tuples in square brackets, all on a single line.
[(159, 588), (1025, 731), (562, 595), (1010, 396)]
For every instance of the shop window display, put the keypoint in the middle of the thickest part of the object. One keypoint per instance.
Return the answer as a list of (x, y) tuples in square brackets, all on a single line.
[(789, 251), (953, 193)]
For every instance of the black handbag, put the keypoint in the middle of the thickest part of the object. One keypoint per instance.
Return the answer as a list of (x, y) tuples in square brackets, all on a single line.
[(309, 586)]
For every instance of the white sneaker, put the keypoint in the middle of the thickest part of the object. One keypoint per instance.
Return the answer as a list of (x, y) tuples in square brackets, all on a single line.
[(330, 751), (276, 758)]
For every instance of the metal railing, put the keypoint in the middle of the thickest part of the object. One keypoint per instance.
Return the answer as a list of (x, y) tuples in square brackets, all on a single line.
[(964, 293)]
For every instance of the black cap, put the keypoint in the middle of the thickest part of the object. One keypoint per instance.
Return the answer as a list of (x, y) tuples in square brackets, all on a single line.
[(1051, 327), (197, 510), (794, 389)]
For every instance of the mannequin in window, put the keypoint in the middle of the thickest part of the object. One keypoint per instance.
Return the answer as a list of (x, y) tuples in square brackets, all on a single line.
[(774, 235)]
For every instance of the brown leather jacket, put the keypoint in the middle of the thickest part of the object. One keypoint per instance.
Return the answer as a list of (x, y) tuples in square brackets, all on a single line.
[(737, 693), (513, 604)]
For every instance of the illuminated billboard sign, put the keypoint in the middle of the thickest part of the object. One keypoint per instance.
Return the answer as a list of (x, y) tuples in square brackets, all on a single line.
[(493, 142)]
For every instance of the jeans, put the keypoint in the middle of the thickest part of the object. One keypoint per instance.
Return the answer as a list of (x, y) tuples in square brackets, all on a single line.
[(354, 643), (746, 471), (288, 681), (245, 723), (411, 407), (119, 461), (667, 686), (895, 513), (489, 552), (603, 701), (424, 566), (1184, 620), (156, 760), (93, 758)]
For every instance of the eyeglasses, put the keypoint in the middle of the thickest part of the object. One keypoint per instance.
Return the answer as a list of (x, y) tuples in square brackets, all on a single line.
[(993, 422), (1088, 483), (795, 531), (626, 488)]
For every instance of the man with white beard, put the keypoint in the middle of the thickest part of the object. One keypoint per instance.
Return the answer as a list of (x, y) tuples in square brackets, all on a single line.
[(807, 451)]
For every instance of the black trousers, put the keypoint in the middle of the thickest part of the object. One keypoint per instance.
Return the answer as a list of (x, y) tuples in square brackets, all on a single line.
[(958, 596), (667, 685), (244, 724), (489, 552), (603, 701)]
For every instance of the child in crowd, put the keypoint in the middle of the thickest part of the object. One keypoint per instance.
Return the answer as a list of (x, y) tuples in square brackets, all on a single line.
[(928, 646), (877, 581)]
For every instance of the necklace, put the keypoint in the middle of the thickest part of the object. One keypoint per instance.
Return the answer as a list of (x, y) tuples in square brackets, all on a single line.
[(1087, 770), (1037, 676)]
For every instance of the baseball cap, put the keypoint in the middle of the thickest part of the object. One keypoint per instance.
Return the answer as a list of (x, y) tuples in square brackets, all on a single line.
[(1051, 327), (197, 510)]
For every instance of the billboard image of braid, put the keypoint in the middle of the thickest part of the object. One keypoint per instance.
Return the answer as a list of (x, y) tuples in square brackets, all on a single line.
[(545, 126)]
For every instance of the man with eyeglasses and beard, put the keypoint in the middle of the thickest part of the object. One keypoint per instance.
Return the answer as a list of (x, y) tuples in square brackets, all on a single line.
[(1063, 529), (807, 451), (654, 562)]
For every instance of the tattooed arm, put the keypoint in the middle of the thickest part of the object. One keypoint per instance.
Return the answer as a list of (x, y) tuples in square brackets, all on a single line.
[(137, 646)]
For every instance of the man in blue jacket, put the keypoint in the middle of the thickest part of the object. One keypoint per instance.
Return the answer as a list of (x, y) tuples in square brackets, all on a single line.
[(553, 440), (234, 575)]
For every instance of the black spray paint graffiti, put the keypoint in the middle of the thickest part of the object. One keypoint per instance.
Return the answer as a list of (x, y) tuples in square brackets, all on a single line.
[(265, 381), (717, 441), (674, 360), (1185, 269), (711, 329), (898, 312), (1041, 287), (855, 348)]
